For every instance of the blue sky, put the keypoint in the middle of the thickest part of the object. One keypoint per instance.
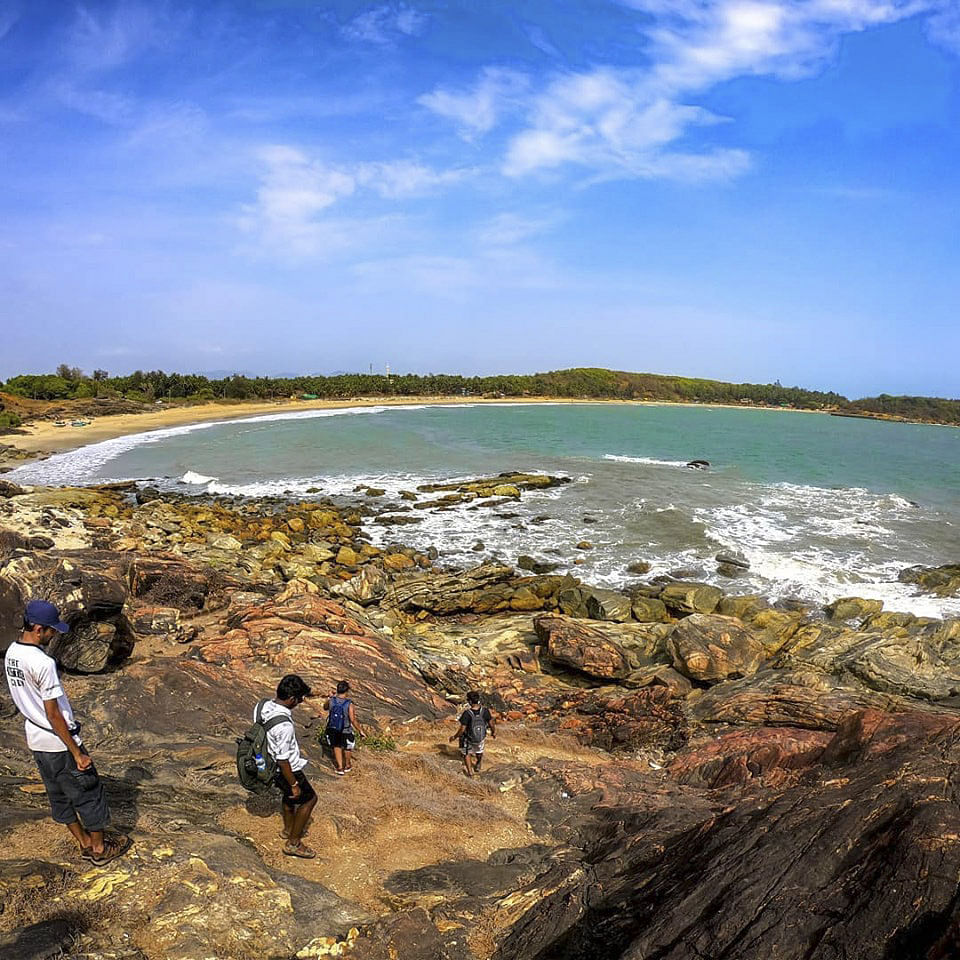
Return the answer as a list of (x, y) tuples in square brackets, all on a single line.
[(740, 189)]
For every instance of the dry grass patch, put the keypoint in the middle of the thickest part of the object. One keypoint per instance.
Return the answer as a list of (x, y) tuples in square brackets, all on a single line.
[(393, 811)]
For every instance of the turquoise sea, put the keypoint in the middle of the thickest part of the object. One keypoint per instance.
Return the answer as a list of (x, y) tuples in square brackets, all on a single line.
[(821, 506)]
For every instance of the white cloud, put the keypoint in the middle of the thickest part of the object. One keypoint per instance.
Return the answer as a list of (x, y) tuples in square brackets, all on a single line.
[(478, 110), (633, 122), (296, 192), (404, 178), (385, 24)]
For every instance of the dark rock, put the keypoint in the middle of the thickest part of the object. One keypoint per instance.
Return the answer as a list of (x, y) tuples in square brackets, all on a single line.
[(167, 581), (942, 581), (730, 559), (9, 489), (146, 494), (698, 464), (639, 567)]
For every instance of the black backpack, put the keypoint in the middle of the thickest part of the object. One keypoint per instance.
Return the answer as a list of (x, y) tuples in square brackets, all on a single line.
[(477, 728), (252, 744)]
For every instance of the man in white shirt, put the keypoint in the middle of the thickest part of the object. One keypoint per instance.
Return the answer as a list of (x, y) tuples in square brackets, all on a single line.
[(299, 797), (73, 786)]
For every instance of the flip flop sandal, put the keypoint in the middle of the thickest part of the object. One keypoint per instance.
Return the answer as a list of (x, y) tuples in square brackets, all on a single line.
[(305, 853), (86, 853), (112, 848)]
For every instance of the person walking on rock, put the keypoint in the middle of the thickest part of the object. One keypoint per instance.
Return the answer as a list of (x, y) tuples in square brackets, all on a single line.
[(342, 728), (76, 795), (472, 733), (299, 797)]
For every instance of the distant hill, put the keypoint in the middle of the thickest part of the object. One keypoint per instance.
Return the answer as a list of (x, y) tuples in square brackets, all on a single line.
[(913, 409), (576, 383)]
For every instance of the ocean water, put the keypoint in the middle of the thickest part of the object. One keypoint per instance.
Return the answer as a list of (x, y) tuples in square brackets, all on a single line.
[(821, 506)]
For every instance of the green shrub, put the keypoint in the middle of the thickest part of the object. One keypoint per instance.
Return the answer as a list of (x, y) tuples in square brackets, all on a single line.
[(9, 421), (381, 742)]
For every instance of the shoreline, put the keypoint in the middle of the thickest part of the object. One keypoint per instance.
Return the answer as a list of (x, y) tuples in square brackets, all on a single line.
[(43, 439)]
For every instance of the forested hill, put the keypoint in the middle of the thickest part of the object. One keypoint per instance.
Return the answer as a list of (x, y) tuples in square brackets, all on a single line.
[(69, 382), (914, 409), (72, 384)]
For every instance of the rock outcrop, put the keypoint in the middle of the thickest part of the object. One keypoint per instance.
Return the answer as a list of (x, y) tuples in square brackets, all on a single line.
[(677, 773)]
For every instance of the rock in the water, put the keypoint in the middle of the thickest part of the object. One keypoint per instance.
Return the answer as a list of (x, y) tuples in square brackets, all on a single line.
[(732, 559), (853, 608), (942, 581), (711, 648), (685, 598), (638, 567)]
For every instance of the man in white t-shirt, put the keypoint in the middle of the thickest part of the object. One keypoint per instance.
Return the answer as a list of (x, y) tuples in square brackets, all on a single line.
[(73, 786), (299, 797)]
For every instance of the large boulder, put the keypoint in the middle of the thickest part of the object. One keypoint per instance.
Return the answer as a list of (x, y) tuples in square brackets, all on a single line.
[(299, 631), (710, 648), (448, 593), (608, 605), (92, 646), (648, 610), (687, 598), (578, 645), (943, 581), (853, 608)]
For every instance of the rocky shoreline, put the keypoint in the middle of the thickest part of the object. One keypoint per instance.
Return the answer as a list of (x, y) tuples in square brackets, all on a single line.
[(681, 772)]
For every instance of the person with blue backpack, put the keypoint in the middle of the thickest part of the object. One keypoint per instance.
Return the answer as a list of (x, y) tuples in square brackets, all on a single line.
[(342, 728)]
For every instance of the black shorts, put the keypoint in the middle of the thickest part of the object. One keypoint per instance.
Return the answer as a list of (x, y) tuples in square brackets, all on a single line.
[(73, 794), (306, 790), (342, 739)]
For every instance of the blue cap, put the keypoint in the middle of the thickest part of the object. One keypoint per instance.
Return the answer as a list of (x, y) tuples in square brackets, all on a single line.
[(45, 614)]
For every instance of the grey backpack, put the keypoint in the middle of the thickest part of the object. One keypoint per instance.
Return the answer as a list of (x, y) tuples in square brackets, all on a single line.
[(255, 767)]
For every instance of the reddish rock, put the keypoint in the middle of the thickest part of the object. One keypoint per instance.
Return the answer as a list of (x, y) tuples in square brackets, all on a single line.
[(578, 645), (774, 756)]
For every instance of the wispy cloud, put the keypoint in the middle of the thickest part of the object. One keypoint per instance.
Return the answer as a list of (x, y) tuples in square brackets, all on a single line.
[(478, 109), (385, 24), (105, 39), (507, 229), (296, 191), (635, 122)]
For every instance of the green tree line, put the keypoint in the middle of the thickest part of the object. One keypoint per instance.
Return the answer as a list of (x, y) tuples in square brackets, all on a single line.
[(580, 382), (69, 382)]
